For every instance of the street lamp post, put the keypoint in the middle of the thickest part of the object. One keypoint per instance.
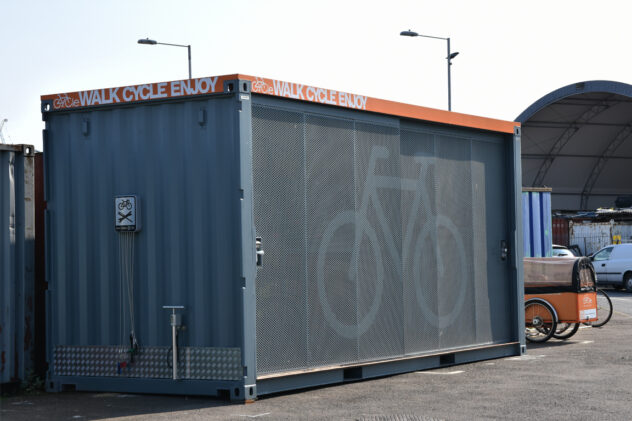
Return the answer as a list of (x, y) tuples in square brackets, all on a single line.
[(148, 41), (449, 58)]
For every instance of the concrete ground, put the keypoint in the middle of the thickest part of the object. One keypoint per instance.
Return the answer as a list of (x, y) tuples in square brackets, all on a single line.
[(585, 378)]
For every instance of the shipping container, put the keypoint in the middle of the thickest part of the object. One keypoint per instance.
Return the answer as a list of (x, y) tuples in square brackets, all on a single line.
[(17, 232), (536, 222), (245, 236), (560, 231)]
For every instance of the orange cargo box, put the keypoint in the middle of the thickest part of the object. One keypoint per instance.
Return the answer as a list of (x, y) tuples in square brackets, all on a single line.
[(571, 307)]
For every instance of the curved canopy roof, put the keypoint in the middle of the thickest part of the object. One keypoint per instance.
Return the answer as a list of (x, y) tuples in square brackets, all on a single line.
[(578, 141)]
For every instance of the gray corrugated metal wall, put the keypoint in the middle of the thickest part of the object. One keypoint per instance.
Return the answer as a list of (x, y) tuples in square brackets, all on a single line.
[(185, 170), (382, 238), (17, 232)]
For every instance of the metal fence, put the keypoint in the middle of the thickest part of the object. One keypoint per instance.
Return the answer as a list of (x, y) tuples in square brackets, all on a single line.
[(592, 236), (591, 244)]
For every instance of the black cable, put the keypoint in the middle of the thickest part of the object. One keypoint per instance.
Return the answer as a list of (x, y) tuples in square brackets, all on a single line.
[(170, 350)]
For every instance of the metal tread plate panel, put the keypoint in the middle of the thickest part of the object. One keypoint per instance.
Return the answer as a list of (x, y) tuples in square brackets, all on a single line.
[(195, 363)]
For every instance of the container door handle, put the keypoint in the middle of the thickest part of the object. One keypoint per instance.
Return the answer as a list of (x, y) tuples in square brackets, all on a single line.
[(259, 251), (504, 250)]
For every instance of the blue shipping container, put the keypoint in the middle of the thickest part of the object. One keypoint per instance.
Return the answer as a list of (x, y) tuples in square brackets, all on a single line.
[(536, 222)]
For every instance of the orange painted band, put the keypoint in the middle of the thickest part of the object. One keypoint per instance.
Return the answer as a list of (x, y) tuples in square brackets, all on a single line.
[(265, 86)]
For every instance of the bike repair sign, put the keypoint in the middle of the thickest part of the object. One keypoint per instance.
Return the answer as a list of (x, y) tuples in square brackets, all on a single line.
[(126, 211)]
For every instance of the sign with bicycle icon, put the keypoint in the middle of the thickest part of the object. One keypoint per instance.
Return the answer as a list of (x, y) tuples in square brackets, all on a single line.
[(126, 213)]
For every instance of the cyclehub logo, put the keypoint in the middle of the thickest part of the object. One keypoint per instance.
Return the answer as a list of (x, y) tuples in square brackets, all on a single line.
[(65, 101)]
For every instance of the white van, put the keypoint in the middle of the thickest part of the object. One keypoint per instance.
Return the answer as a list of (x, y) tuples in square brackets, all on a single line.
[(613, 265)]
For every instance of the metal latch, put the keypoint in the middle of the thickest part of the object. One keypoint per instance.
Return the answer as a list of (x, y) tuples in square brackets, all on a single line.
[(259, 251), (504, 250)]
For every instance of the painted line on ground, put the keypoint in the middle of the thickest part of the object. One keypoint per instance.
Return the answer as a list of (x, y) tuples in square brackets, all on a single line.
[(525, 358), (254, 416), (445, 373)]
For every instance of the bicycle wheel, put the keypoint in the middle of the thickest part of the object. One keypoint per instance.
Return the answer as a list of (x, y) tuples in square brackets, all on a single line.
[(540, 323), (336, 265), (565, 331), (604, 309), (446, 270)]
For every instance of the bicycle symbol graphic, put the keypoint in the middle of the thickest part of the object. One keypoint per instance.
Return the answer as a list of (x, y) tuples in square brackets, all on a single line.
[(64, 101), (365, 231), (260, 86), (125, 204)]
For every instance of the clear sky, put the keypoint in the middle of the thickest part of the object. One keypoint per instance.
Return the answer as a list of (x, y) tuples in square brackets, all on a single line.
[(511, 52)]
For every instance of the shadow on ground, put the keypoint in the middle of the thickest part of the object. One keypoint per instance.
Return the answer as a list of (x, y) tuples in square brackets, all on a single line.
[(97, 406)]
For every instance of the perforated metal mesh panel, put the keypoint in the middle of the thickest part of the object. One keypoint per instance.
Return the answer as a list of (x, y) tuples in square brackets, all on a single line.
[(279, 187), (370, 236), (378, 194), (418, 225), (330, 209), (454, 242)]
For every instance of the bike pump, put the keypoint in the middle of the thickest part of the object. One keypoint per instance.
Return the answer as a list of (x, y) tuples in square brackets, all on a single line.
[(175, 320)]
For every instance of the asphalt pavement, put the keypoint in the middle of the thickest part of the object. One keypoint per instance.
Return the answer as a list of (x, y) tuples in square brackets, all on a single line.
[(588, 377), (621, 300)]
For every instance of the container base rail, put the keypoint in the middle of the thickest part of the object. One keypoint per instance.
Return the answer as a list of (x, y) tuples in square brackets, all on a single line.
[(236, 390)]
